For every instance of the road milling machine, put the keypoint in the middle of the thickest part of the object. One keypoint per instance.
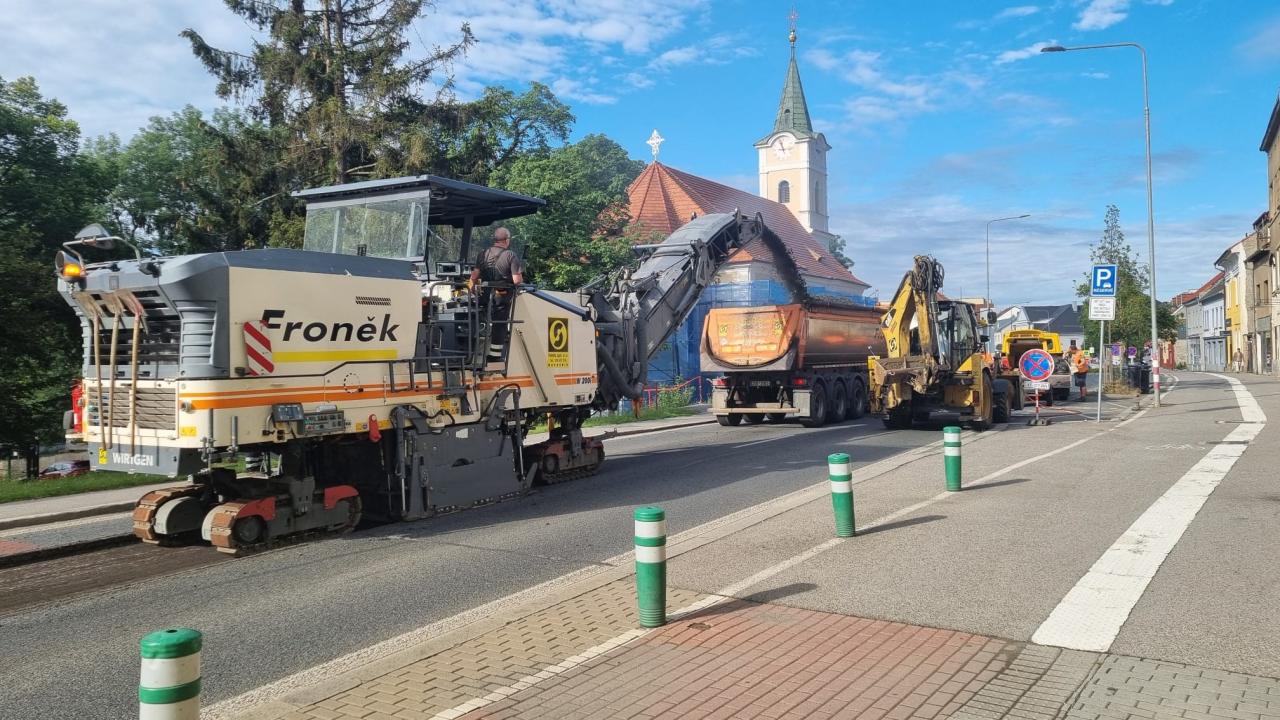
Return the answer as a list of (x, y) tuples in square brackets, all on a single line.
[(302, 390), (933, 368)]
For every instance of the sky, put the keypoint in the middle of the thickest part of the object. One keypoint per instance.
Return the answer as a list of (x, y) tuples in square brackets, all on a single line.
[(941, 115)]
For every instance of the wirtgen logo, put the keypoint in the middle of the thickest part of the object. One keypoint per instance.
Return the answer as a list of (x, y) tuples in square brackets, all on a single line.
[(368, 331)]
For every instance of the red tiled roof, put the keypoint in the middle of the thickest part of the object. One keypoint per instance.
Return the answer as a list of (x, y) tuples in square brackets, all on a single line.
[(1205, 287), (663, 198)]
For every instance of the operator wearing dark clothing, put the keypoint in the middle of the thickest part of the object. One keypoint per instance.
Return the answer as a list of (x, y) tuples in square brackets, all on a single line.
[(498, 264)]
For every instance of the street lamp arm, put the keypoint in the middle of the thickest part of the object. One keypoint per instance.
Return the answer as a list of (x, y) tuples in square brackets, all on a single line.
[(1060, 48)]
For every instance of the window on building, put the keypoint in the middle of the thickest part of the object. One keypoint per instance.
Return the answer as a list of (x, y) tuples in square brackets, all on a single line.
[(817, 204), (784, 192)]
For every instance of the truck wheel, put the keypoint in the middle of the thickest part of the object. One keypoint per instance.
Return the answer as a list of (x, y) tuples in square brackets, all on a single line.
[(817, 408), (777, 417), (980, 423), (857, 401), (753, 418), (839, 405), (1002, 401), (730, 419)]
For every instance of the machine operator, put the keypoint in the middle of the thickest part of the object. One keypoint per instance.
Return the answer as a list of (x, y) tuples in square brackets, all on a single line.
[(498, 263)]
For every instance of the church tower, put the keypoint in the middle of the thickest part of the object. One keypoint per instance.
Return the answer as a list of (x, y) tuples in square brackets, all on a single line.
[(793, 158)]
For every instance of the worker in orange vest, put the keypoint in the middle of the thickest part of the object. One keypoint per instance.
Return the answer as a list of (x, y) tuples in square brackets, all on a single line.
[(1080, 361)]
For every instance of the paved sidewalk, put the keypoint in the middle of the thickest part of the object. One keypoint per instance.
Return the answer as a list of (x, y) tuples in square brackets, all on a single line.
[(586, 659)]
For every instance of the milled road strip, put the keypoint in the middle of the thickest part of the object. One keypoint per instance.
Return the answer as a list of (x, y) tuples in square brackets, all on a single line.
[(308, 686), (1092, 613)]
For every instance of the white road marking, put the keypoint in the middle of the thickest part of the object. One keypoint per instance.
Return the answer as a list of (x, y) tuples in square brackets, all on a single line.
[(1092, 613)]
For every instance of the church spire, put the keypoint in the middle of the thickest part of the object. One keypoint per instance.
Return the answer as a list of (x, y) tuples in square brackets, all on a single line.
[(793, 111)]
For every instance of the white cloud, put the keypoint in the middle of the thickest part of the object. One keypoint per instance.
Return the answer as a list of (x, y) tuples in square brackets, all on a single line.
[(571, 89), (1017, 12), (1102, 14), (1096, 75), (1009, 56), (1263, 44), (887, 97), (115, 63)]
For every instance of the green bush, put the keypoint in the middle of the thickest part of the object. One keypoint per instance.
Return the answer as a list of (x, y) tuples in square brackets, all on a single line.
[(674, 398)]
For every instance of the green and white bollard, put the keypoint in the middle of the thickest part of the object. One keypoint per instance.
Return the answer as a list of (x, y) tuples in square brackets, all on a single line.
[(951, 456), (651, 566), (841, 478), (170, 684)]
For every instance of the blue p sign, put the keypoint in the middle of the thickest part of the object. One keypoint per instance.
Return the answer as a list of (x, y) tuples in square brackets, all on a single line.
[(1103, 283)]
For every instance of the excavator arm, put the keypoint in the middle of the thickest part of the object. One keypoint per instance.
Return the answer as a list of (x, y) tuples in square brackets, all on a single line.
[(639, 309)]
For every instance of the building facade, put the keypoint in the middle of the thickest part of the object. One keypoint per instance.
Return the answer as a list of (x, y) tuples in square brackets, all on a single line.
[(1193, 315), (1261, 268), (1062, 319), (1214, 336), (1236, 295)]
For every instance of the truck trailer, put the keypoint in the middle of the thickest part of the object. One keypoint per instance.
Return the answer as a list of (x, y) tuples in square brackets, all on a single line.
[(790, 361)]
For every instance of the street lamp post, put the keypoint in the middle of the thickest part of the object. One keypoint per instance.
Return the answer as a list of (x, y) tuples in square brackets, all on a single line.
[(991, 337), (1151, 223)]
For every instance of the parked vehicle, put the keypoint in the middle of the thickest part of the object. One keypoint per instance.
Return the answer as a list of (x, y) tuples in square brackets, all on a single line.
[(64, 470), (1018, 342)]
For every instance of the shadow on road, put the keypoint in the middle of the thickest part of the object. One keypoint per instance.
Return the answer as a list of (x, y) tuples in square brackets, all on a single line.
[(898, 524), (767, 596), (998, 483)]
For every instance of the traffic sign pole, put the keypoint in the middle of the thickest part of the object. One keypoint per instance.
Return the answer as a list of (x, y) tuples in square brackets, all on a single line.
[(1102, 329), (1036, 366)]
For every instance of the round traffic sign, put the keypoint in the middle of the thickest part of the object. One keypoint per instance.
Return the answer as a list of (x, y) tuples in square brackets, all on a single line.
[(1036, 365)]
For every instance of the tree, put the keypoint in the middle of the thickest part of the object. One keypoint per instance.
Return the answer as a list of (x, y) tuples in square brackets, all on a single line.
[(579, 235), (48, 191), (836, 247), (469, 141), (333, 74), (1132, 325)]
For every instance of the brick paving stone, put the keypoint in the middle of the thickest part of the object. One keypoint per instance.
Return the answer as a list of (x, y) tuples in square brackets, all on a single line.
[(746, 660), (1126, 687)]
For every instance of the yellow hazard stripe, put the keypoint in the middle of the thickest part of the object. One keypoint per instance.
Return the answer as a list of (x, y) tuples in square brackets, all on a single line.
[(323, 355)]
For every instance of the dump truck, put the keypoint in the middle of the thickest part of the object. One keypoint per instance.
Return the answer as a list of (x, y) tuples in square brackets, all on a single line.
[(304, 390), (789, 362), (933, 368)]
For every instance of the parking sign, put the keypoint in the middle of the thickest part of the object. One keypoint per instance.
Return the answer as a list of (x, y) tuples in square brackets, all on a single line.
[(1103, 282)]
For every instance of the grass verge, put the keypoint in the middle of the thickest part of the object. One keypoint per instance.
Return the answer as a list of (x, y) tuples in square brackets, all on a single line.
[(12, 490), (650, 413)]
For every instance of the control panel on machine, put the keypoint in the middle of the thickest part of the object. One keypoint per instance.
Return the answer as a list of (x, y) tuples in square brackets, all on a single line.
[(308, 423)]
